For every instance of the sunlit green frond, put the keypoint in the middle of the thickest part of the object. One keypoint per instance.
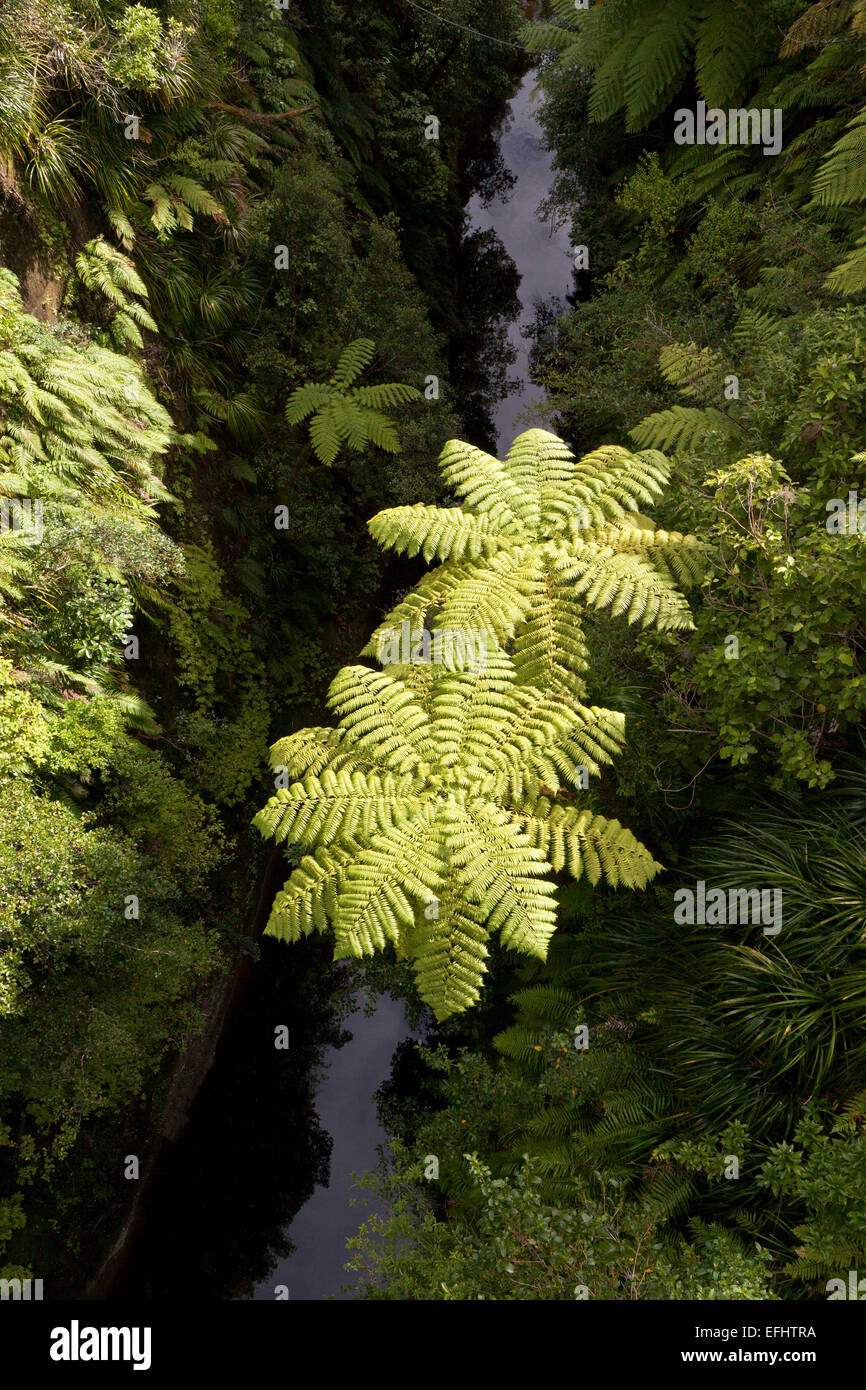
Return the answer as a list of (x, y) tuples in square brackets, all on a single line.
[(587, 844), (435, 532), (379, 717), (374, 908), (445, 832), (308, 902)]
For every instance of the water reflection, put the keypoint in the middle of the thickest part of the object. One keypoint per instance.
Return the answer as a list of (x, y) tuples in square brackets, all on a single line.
[(540, 251), (218, 1215), (346, 1109)]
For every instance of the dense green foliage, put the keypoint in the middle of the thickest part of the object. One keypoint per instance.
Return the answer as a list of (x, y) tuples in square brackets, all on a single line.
[(687, 1085), (238, 321), (191, 229)]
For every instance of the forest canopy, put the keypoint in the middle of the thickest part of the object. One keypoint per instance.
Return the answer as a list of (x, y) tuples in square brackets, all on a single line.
[(566, 732)]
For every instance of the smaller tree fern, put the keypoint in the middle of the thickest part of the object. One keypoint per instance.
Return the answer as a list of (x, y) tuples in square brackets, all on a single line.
[(640, 55), (347, 414), (841, 182), (104, 270)]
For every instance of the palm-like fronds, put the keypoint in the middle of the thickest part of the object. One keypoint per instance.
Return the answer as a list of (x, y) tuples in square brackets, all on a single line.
[(537, 538), (434, 824), (346, 414), (640, 54)]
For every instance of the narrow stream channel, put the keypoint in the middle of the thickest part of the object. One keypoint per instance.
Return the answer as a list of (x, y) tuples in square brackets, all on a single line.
[(256, 1193), (347, 1111), (541, 253), (344, 1101)]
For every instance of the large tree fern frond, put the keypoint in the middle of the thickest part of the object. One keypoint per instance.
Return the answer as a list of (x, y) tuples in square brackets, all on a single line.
[(819, 23), (724, 53), (585, 844), (449, 949), (658, 61), (453, 841), (841, 178), (434, 532), (375, 907), (379, 718)]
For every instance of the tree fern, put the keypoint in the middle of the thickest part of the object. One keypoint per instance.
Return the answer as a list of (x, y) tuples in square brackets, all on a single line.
[(724, 51), (343, 414), (820, 22), (640, 54), (840, 180), (657, 61), (104, 270), (695, 371), (76, 418), (537, 538), (431, 824)]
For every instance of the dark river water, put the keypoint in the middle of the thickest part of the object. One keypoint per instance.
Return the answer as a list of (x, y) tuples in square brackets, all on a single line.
[(347, 1112), (256, 1194), (541, 252)]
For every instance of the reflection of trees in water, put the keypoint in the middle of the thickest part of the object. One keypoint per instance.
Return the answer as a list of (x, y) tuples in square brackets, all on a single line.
[(253, 1150), (542, 332), (486, 172), (488, 303)]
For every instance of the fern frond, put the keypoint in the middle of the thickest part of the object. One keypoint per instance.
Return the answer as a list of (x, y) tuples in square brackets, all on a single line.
[(657, 61), (373, 908), (850, 276), (304, 400), (308, 902), (450, 952), (819, 23), (693, 370), (485, 484), (353, 360), (336, 805), (587, 844), (380, 719), (196, 197), (841, 179), (379, 430), (681, 427), (325, 435), (724, 53), (450, 842), (434, 532), (389, 393)]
